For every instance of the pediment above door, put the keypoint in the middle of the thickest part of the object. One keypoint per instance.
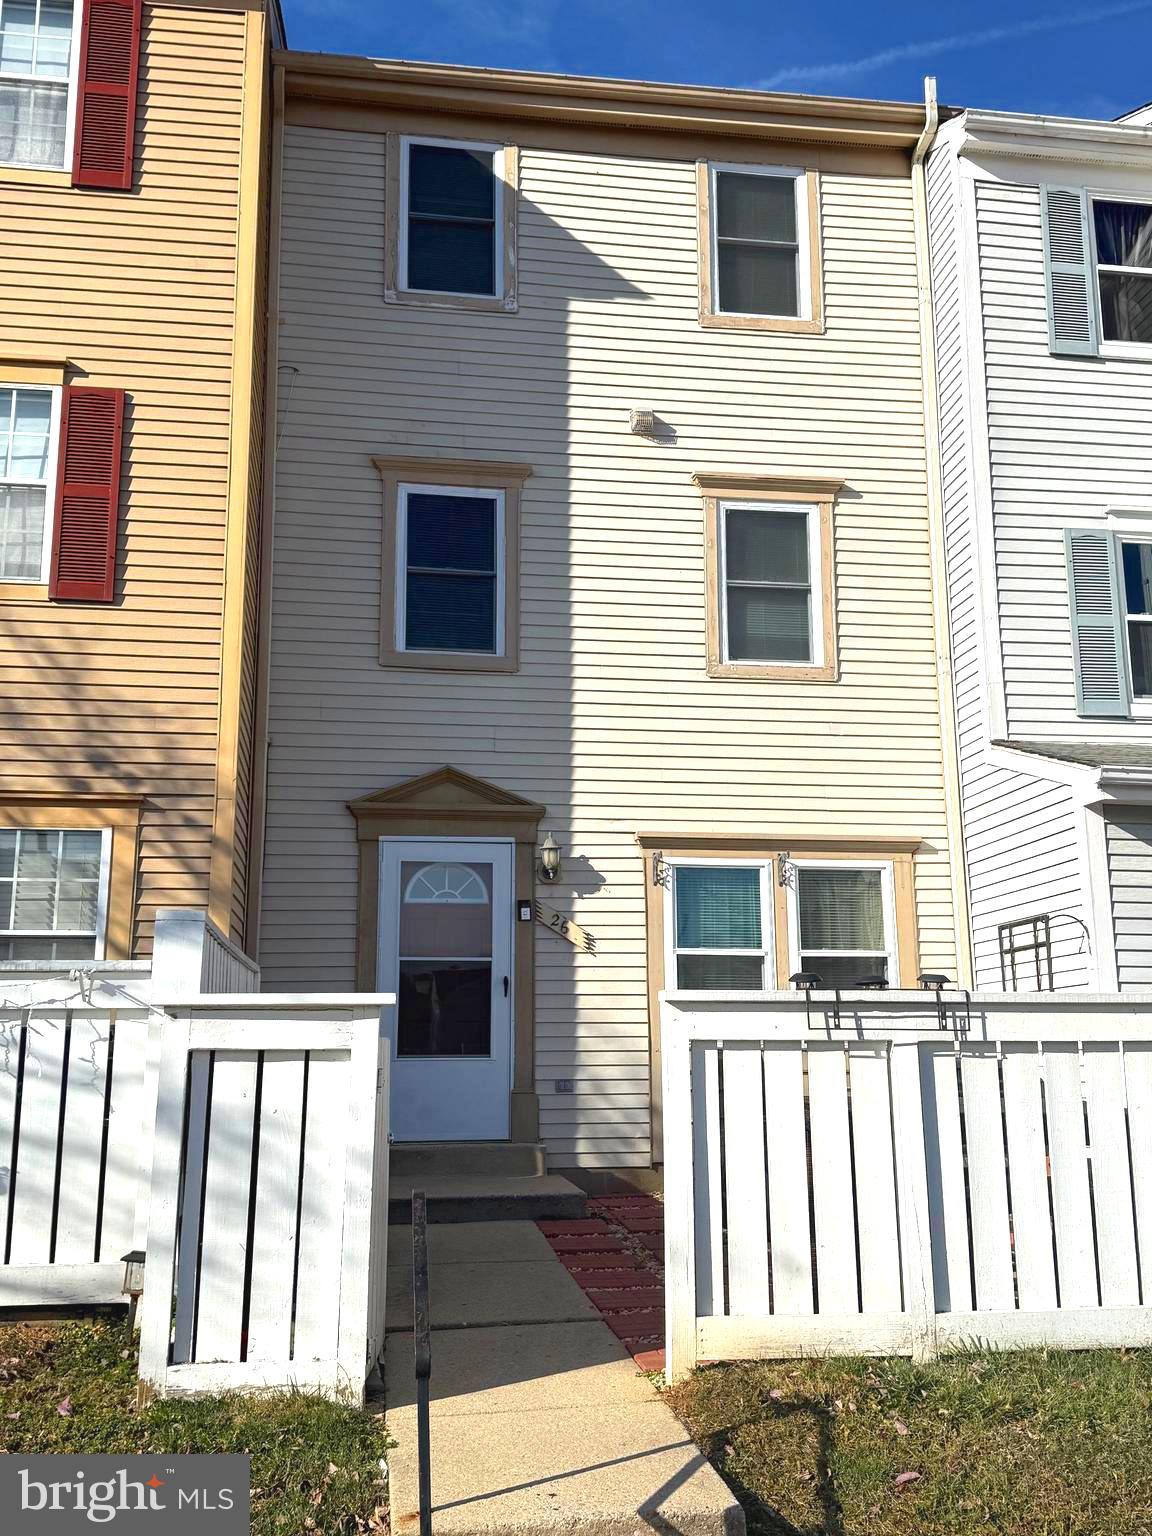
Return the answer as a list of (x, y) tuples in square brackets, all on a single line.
[(446, 801)]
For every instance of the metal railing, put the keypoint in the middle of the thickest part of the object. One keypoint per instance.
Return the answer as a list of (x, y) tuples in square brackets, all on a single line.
[(422, 1347)]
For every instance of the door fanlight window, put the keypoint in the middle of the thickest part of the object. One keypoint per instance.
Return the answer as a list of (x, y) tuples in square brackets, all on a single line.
[(440, 884)]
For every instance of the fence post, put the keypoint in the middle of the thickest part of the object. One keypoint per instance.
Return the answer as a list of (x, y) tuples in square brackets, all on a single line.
[(163, 1205), (912, 1194), (679, 1202)]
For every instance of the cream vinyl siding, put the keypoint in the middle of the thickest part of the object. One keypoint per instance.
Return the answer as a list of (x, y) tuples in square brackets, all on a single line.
[(1020, 831), (1068, 438), (611, 721), (137, 290), (1129, 835)]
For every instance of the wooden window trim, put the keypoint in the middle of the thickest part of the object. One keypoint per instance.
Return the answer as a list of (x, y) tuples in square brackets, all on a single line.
[(118, 814), (507, 168), (712, 318), (717, 489), (899, 852), (468, 475)]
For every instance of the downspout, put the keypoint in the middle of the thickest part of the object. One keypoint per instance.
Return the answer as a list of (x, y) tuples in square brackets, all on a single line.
[(948, 739)]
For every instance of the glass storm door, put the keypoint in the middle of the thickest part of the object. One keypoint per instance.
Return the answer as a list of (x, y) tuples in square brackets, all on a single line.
[(446, 952)]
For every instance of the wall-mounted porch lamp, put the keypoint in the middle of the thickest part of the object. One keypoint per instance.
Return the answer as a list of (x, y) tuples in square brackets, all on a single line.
[(549, 858)]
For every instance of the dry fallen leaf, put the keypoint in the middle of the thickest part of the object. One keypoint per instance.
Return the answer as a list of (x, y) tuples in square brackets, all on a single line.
[(64, 1407), (902, 1479), (900, 1427)]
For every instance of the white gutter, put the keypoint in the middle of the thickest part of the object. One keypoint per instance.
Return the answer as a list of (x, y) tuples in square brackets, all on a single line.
[(943, 642)]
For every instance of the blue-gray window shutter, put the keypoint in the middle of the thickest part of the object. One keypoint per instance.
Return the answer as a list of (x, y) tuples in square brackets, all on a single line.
[(1097, 622), (1069, 271)]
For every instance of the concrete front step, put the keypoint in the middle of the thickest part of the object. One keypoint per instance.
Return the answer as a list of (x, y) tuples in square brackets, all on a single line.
[(504, 1159), (484, 1197)]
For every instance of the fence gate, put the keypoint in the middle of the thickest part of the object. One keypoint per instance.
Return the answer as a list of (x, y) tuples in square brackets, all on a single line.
[(905, 1196), (266, 1243)]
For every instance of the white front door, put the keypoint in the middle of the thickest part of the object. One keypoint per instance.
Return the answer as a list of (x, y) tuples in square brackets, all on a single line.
[(446, 952)]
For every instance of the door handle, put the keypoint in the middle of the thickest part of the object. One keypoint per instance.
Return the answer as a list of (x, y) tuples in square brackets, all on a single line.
[(505, 986)]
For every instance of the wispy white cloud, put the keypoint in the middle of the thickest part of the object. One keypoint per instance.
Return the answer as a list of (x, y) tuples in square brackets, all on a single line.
[(845, 69), (525, 22)]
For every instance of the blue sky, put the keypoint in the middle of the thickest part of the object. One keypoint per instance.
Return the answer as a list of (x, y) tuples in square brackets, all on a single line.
[(1077, 59)]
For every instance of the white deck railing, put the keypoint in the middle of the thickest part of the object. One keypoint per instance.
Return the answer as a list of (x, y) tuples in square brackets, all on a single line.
[(886, 1175)]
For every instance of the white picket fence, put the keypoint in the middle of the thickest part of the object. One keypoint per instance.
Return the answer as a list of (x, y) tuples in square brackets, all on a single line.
[(876, 1179), (268, 1216)]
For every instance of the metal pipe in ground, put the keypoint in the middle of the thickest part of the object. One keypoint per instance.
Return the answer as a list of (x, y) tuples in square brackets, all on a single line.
[(422, 1346)]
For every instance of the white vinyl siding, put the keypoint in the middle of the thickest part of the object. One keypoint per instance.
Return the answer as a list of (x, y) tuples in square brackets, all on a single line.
[(1129, 835), (1068, 439), (1021, 843), (612, 720)]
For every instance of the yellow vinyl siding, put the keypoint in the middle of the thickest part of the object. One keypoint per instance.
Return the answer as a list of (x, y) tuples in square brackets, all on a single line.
[(138, 290), (612, 721)]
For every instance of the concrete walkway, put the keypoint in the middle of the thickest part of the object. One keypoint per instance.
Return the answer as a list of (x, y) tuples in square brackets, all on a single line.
[(540, 1420)]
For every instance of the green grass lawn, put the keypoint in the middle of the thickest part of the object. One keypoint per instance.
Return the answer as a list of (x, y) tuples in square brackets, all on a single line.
[(1036, 1444), (315, 1464)]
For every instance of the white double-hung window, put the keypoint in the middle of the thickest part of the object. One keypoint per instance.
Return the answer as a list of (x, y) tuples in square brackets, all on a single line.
[(721, 928), (29, 428), (36, 81), (450, 577), (842, 923), (53, 893), (771, 570), (721, 916), (451, 230)]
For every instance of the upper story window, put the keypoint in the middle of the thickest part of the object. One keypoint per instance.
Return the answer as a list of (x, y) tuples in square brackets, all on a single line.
[(450, 577), (36, 57), (451, 224), (451, 598), (771, 563), (1123, 236), (52, 893), (760, 247), (29, 423), (769, 577)]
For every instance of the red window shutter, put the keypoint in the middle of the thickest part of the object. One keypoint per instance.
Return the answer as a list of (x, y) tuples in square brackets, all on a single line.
[(87, 495), (106, 93)]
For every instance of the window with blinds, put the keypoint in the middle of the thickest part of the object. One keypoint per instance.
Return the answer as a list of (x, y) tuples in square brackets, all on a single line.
[(722, 926), (843, 929), (450, 582), (51, 893), (759, 235), (451, 216), (770, 561)]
